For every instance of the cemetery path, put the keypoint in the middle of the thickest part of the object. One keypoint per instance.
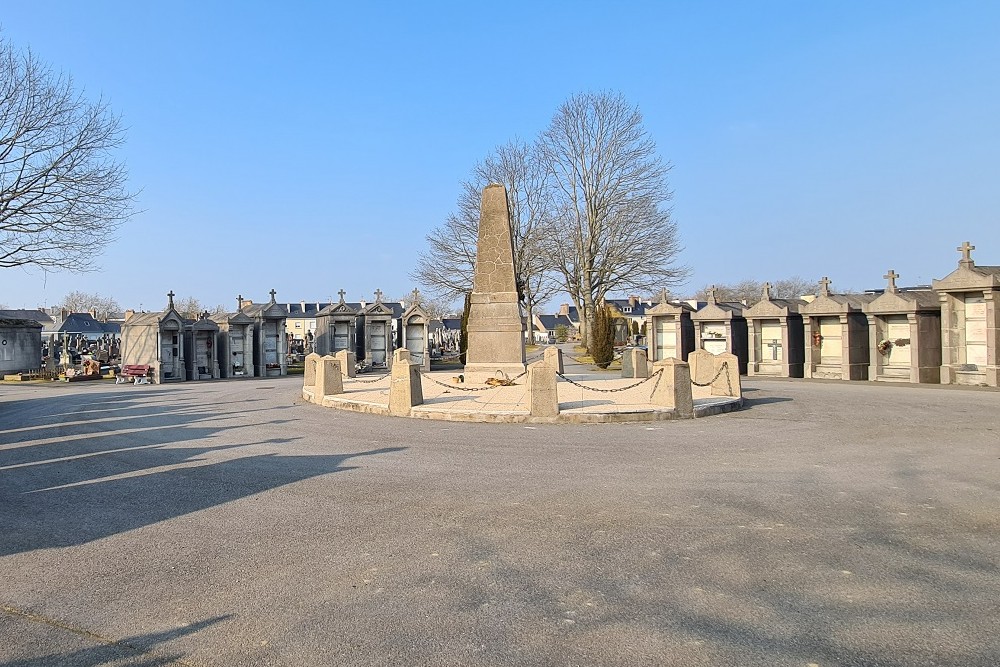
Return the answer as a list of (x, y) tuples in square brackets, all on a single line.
[(229, 523)]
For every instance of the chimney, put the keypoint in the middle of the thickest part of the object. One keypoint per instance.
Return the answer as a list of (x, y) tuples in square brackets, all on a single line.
[(564, 309), (632, 300), (302, 304), (363, 304), (128, 314), (63, 313), (93, 313)]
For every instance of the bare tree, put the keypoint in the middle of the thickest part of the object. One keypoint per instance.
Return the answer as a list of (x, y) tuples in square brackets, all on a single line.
[(446, 267), (82, 302), (750, 290), (62, 196), (192, 309), (613, 229)]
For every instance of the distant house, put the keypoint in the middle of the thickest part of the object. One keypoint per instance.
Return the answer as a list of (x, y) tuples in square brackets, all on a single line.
[(86, 325), (632, 309), (544, 329)]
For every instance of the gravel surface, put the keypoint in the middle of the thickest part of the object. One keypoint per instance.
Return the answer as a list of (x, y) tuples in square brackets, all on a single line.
[(230, 523)]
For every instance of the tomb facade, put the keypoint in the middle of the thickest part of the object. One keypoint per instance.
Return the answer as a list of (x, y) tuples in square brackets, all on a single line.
[(156, 340), (378, 335), (904, 341), (235, 343), (970, 322), (775, 336), (720, 327), (20, 346), (670, 330), (836, 334), (202, 361), (336, 328), (270, 348), (416, 333)]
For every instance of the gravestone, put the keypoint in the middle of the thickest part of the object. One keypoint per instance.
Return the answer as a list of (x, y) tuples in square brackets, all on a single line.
[(496, 342), (378, 339), (634, 363), (200, 339), (416, 335), (20, 345), (671, 330), (970, 322), (336, 328), (905, 334), (235, 343)]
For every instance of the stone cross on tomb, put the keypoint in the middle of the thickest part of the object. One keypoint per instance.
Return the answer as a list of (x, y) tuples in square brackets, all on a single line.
[(272, 293), (663, 295), (378, 296), (341, 294), (765, 294), (170, 299), (415, 296), (966, 250), (775, 346), (239, 302), (891, 277), (824, 286), (711, 294)]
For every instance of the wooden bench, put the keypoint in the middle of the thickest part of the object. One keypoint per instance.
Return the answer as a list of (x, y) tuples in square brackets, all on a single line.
[(137, 373)]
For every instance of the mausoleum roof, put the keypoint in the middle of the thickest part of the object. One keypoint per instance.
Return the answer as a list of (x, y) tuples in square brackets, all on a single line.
[(904, 301), (773, 308), (39, 316), (670, 308), (836, 304), (720, 310), (18, 322), (966, 278)]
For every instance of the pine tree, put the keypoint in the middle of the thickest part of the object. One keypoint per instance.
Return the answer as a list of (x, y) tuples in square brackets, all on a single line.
[(602, 347)]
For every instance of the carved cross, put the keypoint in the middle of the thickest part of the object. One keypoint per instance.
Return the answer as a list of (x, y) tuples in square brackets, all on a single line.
[(378, 296), (341, 294), (663, 295), (966, 251), (775, 346), (891, 277), (765, 293), (170, 299), (711, 294), (824, 286), (272, 293), (239, 302), (415, 296)]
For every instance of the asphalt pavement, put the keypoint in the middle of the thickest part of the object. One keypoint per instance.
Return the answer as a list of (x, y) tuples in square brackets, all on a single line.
[(230, 523)]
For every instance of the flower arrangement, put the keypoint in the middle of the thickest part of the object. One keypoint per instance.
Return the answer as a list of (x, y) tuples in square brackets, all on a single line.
[(884, 346)]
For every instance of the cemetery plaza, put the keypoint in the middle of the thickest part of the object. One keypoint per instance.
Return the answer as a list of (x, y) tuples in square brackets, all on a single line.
[(233, 523)]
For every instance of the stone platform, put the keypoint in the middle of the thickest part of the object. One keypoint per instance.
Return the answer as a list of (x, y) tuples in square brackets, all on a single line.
[(446, 400)]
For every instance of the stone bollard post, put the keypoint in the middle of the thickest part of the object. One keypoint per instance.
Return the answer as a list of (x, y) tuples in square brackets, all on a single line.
[(553, 357), (329, 380), (673, 387), (309, 376), (543, 394), (348, 363), (728, 382), (634, 364), (405, 390)]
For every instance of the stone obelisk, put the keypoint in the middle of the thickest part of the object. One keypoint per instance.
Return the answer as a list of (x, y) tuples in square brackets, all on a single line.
[(496, 342)]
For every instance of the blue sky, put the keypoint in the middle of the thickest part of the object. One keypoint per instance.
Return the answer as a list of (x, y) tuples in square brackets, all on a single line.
[(310, 147)]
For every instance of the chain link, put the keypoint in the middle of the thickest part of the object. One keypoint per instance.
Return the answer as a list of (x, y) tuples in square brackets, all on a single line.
[(486, 388), (611, 391)]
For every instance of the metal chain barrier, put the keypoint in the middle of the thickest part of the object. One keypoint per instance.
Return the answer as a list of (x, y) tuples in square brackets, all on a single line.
[(722, 369), (460, 388), (611, 391), (380, 377)]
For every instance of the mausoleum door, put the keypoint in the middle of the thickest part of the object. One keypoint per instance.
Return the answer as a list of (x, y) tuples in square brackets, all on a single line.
[(270, 344), (831, 348), (713, 338), (415, 342), (975, 330), (237, 345), (897, 327), (341, 336), (202, 355), (666, 339), (168, 353), (770, 349), (377, 336)]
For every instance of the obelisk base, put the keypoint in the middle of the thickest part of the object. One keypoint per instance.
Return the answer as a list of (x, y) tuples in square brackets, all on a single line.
[(496, 342)]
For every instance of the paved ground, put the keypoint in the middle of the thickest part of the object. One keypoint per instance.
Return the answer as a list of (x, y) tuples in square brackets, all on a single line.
[(231, 524)]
